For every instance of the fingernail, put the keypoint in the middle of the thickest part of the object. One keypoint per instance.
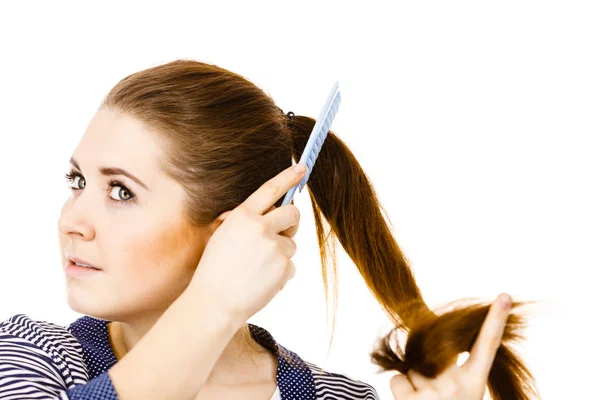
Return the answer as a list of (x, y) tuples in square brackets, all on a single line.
[(505, 301), (300, 168)]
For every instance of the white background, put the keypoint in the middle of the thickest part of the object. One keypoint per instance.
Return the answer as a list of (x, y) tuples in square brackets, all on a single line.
[(477, 122)]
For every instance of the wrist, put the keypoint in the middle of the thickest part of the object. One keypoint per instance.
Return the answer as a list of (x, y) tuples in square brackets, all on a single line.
[(204, 309)]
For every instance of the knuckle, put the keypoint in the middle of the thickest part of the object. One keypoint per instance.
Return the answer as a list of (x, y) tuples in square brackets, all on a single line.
[(291, 270), (289, 247), (273, 247), (280, 262), (239, 212), (271, 187), (295, 213), (294, 246), (259, 226), (492, 345)]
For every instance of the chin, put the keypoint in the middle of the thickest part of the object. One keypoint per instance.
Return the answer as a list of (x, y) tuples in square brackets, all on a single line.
[(83, 302)]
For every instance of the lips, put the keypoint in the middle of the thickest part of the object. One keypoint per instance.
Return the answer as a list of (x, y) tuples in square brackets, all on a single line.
[(77, 260)]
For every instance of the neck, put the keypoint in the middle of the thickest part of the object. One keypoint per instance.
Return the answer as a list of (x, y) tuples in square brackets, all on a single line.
[(242, 362)]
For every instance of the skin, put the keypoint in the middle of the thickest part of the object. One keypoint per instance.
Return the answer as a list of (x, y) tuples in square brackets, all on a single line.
[(465, 382), (148, 254), (146, 249)]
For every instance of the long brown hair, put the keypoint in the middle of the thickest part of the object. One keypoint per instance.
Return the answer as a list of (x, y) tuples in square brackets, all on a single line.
[(224, 137)]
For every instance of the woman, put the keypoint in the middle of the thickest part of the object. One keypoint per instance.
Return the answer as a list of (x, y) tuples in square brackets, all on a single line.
[(174, 237)]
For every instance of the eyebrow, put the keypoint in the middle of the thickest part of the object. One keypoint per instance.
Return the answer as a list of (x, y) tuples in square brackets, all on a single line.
[(112, 171)]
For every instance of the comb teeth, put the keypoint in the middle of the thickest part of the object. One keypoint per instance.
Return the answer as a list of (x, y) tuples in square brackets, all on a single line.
[(316, 138), (320, 139)]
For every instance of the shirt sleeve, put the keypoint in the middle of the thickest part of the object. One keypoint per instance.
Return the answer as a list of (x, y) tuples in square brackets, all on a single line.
[(100, 387), (30, 367), (330, 383)]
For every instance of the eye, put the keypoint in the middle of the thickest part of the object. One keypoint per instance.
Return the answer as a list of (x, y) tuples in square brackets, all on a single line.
[(122, 195), (71, 176)]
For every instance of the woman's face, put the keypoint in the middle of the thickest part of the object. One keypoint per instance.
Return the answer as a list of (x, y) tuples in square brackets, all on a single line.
[(134, 231)]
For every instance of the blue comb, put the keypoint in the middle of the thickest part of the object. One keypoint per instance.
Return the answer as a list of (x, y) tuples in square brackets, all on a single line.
[(316, 139)]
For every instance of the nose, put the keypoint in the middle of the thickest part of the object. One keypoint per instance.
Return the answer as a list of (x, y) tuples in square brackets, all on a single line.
[(74, 220)]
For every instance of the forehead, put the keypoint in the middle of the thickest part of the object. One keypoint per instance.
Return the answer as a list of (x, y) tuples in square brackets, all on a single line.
[(117, 139)]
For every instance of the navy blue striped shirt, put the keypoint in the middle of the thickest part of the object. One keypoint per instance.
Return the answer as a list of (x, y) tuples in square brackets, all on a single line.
[(42, 360)]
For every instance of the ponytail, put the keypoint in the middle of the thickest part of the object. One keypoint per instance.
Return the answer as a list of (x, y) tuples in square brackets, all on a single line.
[(342, 195)]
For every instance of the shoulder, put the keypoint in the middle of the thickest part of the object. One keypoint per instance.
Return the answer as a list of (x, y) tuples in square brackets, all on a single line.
[(43, 334), (329, 383), (19, 323), (300, 378), (51, 345)]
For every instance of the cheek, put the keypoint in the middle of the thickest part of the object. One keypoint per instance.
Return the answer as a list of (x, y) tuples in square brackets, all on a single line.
[(158, 259), (62, 240), (62, 237)]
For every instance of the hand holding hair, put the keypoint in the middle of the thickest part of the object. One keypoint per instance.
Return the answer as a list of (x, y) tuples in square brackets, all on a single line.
[(466, 382)]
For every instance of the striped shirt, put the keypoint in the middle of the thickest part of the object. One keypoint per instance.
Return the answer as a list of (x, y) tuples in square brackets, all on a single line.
[(42, 360)]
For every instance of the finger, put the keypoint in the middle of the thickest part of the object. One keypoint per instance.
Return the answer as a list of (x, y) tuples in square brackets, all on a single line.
[(287, 245), (282, 218), (489, 339), (291, 270), (291, 231), (401, 387), (272, 190)]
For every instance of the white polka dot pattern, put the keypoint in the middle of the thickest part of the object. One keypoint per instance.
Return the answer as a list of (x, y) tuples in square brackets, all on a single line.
[(39, 358)]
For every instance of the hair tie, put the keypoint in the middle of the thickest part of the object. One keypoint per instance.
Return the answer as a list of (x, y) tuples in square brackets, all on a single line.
[(291, 115)]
